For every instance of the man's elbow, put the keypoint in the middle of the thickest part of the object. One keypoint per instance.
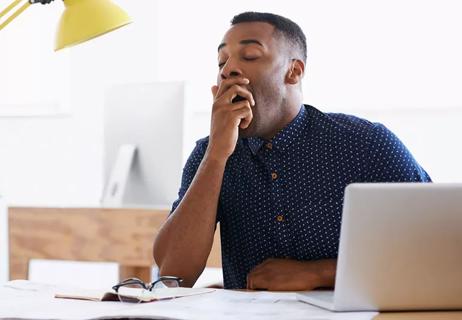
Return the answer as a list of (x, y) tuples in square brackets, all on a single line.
[(157, 251), (169, 266), (188, 275)]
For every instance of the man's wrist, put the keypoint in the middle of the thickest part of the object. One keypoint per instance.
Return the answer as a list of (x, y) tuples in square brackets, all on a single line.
[(321, 273), (326, 270), (212, 156)]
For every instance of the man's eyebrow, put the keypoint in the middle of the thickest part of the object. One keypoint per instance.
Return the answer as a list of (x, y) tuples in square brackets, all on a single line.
[(250, 41), (221, 45), (245, 41)]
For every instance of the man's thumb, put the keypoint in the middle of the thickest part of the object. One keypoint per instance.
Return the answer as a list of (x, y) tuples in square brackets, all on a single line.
[(214, 90)]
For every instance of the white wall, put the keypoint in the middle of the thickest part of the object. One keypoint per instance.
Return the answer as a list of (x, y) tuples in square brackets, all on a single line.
[(57, 159), (396, 62)]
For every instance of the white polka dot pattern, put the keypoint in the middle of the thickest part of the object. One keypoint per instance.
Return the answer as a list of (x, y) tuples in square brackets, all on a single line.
[(284, 198)]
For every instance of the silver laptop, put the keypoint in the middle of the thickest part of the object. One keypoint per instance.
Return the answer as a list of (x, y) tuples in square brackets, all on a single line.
[(400, 249)]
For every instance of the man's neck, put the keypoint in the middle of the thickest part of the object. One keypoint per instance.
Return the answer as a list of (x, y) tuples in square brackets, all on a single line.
[(287, 118)]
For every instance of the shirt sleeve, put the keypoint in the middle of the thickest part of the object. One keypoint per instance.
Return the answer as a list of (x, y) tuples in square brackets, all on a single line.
[(190, 169), (390, 161)]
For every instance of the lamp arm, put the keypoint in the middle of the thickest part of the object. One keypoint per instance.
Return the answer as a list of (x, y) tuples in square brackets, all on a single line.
[(19, 11), (40, 1)]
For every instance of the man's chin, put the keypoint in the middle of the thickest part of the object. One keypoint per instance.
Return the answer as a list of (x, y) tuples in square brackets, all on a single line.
[(248, 132)]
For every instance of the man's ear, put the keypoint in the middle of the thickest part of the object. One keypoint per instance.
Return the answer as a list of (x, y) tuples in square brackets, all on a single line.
[(296, 71)]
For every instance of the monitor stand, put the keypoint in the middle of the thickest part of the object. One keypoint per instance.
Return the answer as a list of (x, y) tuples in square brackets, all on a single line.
[(115, 188)]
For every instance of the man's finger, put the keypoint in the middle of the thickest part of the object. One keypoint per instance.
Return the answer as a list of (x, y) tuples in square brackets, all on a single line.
[(263, 264), (237, 90), (258, 281), (245, 123), (244, 113), (226, 84), (249, 281), (214, 91)]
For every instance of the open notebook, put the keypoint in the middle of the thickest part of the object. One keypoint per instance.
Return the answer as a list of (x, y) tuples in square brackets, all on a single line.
[(142, 295)]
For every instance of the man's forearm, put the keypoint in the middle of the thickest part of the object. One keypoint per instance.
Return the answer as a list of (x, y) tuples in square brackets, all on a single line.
[(185, 240), (292, 275)]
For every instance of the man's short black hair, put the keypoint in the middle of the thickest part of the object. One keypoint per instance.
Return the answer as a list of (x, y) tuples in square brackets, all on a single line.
[(289, 29)]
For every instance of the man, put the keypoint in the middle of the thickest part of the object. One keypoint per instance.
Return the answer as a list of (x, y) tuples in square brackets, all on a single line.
[(272, 171)]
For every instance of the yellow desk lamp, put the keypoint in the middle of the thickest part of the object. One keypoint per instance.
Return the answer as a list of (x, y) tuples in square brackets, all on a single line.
[(81, 20)]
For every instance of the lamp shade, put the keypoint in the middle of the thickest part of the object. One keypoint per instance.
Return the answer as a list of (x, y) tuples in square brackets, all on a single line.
[(83, 20)]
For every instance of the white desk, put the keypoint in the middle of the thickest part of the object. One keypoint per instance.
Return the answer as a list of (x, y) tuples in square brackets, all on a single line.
[(27, 300)]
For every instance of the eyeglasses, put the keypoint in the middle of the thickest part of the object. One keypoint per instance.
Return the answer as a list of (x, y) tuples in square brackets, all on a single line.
[(133, 289)]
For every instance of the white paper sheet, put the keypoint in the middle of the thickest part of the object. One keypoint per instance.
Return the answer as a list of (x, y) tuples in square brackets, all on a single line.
[(25, 300)]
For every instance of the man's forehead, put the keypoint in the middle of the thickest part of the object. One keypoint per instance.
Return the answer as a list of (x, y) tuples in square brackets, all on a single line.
[(261, 31)]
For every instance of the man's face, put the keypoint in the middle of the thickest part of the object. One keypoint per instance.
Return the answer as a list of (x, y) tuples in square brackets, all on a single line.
[(252, 50)]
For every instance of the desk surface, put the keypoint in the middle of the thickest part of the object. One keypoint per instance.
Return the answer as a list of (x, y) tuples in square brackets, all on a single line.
[(43, 233), (27, 300)]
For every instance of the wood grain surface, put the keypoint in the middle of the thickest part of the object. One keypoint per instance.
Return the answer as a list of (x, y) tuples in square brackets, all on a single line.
[(88, 234), (424, 315)]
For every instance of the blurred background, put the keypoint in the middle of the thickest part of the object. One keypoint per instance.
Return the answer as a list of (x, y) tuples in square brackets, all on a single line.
[(396, 62)]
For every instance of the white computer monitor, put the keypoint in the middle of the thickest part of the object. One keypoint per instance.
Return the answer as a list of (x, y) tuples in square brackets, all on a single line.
[(149, 116)]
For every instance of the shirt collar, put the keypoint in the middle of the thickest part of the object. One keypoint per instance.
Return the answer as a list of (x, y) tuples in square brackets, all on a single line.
[(255, 144), (284, 137)]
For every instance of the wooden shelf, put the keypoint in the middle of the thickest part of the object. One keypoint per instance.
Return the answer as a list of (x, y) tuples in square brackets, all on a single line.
[(123, 235)]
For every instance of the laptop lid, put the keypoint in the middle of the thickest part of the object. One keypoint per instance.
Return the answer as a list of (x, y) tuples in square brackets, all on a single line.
[(400, 247)]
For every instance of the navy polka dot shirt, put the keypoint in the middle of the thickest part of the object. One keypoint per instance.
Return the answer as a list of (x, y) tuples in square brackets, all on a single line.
[(283, 198)]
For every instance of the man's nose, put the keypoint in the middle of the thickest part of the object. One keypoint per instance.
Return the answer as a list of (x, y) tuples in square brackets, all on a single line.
[(230, 69)]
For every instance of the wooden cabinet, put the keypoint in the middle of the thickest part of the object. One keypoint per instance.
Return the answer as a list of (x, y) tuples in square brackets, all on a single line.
[(89, 234)]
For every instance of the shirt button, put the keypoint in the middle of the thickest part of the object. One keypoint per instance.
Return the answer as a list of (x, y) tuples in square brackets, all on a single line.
[(269, 146), (280, 218), (274, 175)]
